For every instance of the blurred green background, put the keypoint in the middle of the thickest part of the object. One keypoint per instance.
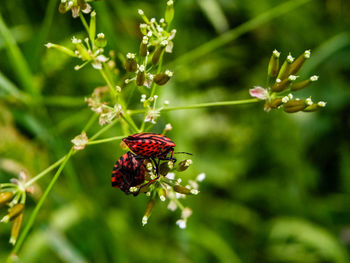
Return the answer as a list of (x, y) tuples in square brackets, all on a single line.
[(277, 186)]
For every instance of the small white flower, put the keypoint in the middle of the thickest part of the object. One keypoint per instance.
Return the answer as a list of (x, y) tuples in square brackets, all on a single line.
[(162, 198), (314, 78), (172, 206), (308, 101), (149, 33), (161, 20), (164, 43), (181, 223), (285, 99), (152, 20), (194, 191), (290, 59), (276, 53), (140, 11), (290, 96), (307, 54), (170, 2), (144, 220), (152, 116), (200, 177), (100, 35), (186, 213), (321, 104), (171, 176), (130, 55), (133, 189), (80, 141), (259, 92), (168, 126), (179, 196)]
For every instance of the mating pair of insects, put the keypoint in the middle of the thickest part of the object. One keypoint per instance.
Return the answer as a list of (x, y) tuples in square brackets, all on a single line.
[(130, 169)]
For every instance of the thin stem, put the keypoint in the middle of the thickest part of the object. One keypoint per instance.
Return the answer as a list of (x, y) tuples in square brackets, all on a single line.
[(40, 203), (106, 140), (82, 18), (91, 121), (201, 105), (46, 171), (130, 121), (104, 129)]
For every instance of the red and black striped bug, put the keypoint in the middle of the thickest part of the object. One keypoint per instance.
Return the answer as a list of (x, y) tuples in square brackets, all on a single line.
[(151, 145), (128, 171)]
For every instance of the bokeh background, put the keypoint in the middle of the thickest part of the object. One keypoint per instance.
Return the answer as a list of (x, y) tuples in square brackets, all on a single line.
[(277, 185)]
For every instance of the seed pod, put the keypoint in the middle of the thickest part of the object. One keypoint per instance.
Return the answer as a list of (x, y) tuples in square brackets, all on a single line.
[(294, 106), (148, 211), (13, 212), (275, 103), (303, 84), (140, 77), (162, 194), (92, 27), (298, 63), (16, 227), (169, 11), (100, 41), (159, 51), (143, 47), (162, 78), (181, 189), (130, 63), (5, 197), (62, 8), (183, 165), (284, 84), (273, 64), (165, 167), (284, 71)]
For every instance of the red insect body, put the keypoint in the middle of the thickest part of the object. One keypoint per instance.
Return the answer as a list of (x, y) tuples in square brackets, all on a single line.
[(150, 145), (128, 171)]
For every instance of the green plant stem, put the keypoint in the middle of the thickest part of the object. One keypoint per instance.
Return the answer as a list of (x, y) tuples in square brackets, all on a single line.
[(40, 203), (85, 24), (201, 105), (106, 140), (234, 33), (104, 129)]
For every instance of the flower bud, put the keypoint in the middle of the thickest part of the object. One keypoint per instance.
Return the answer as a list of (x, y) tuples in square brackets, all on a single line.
[(303, 84), (275, 103), (148, 211), (159, 51), (162, 78), (284, 71), (298, 63), (16, 227), (273, 64), (183, 165), (165, 167), (143, 47), (169, 11), (292, 106), (182, 190), (62, 49), (315, 106), (100, 41), (143, 29), (130, 63), (13, 212), (140, 77), (162, 194), (5, 197), (62, 8), (92, 27), (284, 84)]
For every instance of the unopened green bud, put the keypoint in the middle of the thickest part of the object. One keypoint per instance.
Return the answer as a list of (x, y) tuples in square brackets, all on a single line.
[(183, 165), (143, 29), (140, 77), (315, 106), (284, 84), (148, 211), (165, 167), (100, 41), (62, 8), (303, 84), (284, 71), (296, 105), (5, 197), (13, 212), (16, 227), (143, 47), (162, 194), (62, 49), (182, 190), (273, 64), (162, 78), (298, 63), (275, 103), (130, 63), (159, 51), (169, 11)]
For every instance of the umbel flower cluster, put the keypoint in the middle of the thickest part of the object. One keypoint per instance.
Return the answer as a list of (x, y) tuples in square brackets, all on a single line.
[(13, 195), (282, 81)]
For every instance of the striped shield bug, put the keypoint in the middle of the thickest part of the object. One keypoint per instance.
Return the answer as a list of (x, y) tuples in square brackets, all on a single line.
[(128, 171), (151, 145)]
